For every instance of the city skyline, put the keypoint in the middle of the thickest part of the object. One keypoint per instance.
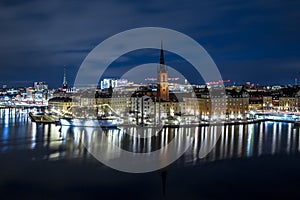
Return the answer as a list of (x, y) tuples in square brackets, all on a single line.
[(128, 99), (249, 41), (136, 71), (147, 80)]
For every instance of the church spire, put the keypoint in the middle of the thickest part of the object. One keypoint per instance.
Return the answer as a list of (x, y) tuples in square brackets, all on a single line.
[(162, 67), (162, 59), (162, 77), (65, 83)]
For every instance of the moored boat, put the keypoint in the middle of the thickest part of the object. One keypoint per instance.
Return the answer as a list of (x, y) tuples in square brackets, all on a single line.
[(107, 122), (42, 117)]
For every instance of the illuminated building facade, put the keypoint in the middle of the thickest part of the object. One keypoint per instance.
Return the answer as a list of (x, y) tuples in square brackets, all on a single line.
[(235, 105), (60, 105), (267, 102), (297, 97), (113, 83), (256, 100), (287, 103)]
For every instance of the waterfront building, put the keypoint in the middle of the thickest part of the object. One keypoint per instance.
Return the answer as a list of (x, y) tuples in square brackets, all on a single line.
[(297, 98), (41, 93), (235, 105), (287, 103), (145, 105), (113, 104), (30, 95), (142, 108), (287, 99), (60, 105), (267, 102), (256, 100), (277, 98)]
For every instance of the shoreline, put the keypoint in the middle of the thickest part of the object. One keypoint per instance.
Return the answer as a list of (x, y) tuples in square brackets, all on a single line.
[(201, 124)]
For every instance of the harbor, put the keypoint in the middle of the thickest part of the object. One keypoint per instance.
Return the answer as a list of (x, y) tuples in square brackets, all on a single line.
[(46, 154)]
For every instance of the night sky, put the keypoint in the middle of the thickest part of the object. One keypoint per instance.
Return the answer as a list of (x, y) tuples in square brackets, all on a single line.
[(255, 41)]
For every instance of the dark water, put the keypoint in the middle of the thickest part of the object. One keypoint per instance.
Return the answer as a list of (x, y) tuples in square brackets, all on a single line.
[(247, 161)]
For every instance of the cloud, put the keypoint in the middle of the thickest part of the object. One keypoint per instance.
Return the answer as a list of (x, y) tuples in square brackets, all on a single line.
[(46, 35)]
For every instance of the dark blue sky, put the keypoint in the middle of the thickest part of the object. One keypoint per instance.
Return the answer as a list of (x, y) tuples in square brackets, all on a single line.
[(255, 41)]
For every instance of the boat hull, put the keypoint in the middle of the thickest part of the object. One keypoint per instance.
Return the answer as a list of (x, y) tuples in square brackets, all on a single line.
[(89, 122)]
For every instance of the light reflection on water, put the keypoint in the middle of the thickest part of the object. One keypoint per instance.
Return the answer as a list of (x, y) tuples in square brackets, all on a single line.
[(235, 141)]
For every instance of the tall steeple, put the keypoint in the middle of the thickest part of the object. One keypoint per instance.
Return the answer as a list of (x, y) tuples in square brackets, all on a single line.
[(65, 83), (162, 66), (162, 77), (162, 58)]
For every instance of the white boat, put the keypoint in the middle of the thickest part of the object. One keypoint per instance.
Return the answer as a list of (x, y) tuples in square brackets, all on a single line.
[(109, 122)]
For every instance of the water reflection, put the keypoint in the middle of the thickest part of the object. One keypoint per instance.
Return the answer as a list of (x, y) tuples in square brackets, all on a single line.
[(233, 141), (19, 133)]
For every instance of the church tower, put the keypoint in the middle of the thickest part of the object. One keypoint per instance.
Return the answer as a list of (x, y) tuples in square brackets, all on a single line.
[(162, 75), (65, 83)]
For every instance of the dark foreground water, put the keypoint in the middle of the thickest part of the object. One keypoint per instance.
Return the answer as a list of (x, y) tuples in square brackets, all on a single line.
[(52, 162)]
